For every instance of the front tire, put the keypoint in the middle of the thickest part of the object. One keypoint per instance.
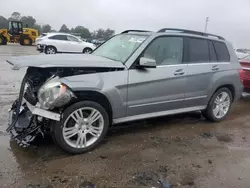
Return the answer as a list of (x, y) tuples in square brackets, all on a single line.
[(50, 50), (83, 126), (87, 50), (219, 105)]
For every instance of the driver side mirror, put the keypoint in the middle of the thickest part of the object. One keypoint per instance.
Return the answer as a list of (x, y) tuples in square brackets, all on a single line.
[(147, 63)]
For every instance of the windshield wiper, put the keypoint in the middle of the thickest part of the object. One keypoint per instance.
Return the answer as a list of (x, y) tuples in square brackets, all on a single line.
[(110, 58)]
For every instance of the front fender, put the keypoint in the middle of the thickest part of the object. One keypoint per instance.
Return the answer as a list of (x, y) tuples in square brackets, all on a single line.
[(111, 84)]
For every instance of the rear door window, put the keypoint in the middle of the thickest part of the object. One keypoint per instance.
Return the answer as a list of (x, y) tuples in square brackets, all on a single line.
[(70, 38), (58, 37), (221, 51), (198, 50)]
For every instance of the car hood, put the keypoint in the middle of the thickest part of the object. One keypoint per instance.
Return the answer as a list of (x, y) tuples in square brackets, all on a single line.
[(63, 60)]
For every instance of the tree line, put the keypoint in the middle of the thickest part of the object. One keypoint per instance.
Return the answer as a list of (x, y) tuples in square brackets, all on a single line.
[(30, 21)]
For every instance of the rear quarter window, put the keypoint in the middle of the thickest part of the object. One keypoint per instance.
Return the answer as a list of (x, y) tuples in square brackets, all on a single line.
[(221, 51)]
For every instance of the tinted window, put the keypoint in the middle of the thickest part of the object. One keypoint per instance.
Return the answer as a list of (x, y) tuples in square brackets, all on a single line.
[(213, 57), (198, 51), (165, 50), (58, 37), (70, 38), (221, 51)]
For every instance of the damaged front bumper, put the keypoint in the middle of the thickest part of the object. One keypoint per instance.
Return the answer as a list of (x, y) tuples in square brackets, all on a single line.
[(29, 122), (28, 117)]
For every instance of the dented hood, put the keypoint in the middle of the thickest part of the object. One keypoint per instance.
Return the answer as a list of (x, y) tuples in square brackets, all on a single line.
[(63, 60)]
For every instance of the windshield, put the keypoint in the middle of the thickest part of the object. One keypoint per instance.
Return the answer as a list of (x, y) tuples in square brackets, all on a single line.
[(120, 47)]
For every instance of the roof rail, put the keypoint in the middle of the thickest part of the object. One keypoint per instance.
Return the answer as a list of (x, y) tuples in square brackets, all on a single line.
[(190, 32), (127, 31)]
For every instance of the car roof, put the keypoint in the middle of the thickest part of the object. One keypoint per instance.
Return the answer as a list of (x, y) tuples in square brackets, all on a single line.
[(60, 33), (176, 32)]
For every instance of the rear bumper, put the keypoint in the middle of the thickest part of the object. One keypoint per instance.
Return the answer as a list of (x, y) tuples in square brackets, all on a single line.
[(246, 90), (246, 83)]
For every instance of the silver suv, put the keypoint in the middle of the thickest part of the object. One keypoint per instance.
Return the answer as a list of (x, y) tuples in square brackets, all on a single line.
[(134, 75)]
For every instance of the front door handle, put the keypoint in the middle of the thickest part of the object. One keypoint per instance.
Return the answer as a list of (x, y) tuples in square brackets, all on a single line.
[(215, 68), (179, 72)]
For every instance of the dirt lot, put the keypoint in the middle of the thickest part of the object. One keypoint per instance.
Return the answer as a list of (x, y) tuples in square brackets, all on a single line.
[(185, 150)]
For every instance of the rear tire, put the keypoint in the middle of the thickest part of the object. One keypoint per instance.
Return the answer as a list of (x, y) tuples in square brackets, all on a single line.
[(219, 105), (89, 132), (50, 50), (87, 50)]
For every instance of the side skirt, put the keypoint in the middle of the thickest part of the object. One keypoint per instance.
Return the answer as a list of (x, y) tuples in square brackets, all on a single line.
[(158, 114)]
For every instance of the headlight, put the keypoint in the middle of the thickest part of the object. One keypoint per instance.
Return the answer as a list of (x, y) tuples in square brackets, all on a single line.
[(38, 40), (53, 93)]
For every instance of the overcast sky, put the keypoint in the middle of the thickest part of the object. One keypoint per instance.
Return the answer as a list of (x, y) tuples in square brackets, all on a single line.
[(229, 18)]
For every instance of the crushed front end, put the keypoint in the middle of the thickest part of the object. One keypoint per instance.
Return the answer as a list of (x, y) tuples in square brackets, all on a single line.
[(40, 103)]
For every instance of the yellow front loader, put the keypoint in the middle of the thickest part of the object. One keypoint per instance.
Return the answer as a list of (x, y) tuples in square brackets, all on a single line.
[(18, 34)]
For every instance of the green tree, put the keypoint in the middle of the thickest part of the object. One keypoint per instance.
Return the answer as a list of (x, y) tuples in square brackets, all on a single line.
[(101, 33), (84, 32), (15, 16), (37, 27), (28, 21), (109, 33), (46, 28), (64, 29)]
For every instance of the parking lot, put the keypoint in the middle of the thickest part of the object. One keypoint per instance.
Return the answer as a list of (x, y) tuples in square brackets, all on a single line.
[(183, 150)]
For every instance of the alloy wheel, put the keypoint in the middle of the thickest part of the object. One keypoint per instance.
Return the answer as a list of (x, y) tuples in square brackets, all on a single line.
[(83, 127), (221, 105), (51, 51)]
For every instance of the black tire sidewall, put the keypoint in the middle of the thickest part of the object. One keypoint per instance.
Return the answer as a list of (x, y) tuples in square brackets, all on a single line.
[(59, 127), (208, 113), (83, 51)]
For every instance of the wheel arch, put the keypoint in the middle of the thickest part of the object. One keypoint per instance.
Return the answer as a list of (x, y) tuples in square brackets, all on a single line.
[(96, 97), (228, 86), (86, 48), (47, 46)]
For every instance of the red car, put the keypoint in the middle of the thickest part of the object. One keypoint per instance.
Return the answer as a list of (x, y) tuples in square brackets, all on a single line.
[(245, 73)]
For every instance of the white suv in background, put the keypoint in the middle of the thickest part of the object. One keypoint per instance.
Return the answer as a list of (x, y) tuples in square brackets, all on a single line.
[(54, 43)]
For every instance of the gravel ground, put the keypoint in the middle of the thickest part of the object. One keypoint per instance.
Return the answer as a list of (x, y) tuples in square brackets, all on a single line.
[(183, 150)]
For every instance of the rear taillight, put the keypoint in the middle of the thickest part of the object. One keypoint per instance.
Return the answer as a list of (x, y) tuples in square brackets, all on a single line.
[(241, 72)]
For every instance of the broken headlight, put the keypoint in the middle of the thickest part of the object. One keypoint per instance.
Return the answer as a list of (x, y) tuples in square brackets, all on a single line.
[(53, 94)]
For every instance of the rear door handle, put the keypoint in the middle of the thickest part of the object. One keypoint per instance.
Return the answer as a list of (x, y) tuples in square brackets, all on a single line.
[(215, 68), (179, 72)]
